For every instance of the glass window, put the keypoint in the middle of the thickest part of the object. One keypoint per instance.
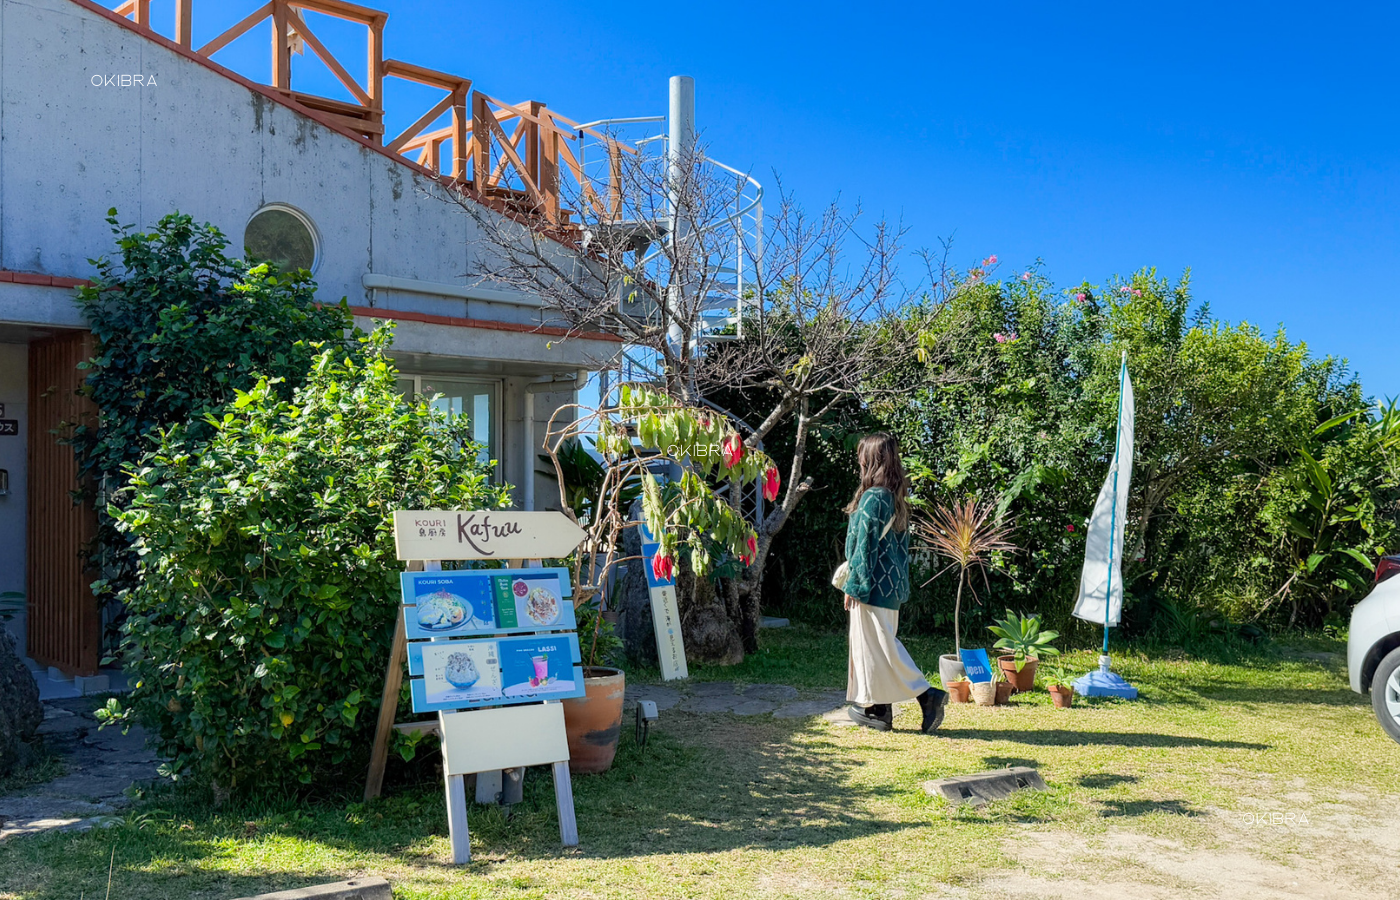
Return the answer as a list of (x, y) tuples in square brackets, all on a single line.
[(281, 235), (477, 400)]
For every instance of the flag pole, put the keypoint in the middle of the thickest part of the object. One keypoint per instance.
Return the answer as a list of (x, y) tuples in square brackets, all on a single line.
[(1113, 515)]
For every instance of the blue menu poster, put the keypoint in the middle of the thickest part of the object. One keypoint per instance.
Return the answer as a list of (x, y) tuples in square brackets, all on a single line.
[(461, 674), (487, 601)]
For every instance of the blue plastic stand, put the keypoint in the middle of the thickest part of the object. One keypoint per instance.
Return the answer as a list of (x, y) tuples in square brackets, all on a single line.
[(1104, 683)]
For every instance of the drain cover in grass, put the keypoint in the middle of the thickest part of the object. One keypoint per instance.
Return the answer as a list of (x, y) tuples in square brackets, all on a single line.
[(984, 787)]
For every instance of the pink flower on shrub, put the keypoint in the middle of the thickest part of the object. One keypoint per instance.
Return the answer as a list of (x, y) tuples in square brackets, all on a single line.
[(1123, 289), (1025, 276), (990, 261), (1069, 528), (1137, 292), (663, 567), (771, 481), (1005, 338), (1079, 297), (732, 449)]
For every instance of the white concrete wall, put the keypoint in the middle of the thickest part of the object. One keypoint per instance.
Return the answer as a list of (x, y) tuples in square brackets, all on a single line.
[(14, 396), (203, 144)]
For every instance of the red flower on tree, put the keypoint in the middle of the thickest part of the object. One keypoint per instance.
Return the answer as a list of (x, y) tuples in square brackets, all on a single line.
[(663, 567), (732, 449), (771, 481)]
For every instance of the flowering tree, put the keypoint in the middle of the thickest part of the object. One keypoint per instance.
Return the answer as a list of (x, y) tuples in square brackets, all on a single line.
[(648, 432)]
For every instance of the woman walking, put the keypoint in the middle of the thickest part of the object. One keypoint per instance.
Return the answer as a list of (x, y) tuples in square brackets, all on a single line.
[(881, 673)]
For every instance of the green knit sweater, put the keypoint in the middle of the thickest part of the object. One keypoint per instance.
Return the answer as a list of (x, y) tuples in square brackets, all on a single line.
[(879, 567)]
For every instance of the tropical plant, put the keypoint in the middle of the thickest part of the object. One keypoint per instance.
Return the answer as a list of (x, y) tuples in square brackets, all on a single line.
[(583, 477), (968, 533), (1023, 637), (598, 641), (1056, 676), (642, 432), (260, 625)]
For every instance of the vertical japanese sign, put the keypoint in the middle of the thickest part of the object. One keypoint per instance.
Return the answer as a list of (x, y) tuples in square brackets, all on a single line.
[(665, 615)]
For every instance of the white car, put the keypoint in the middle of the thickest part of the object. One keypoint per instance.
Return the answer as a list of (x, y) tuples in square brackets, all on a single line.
[(1373, 646)]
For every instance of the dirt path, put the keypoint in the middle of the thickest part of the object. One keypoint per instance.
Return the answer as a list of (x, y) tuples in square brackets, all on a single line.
[(1312, 850)]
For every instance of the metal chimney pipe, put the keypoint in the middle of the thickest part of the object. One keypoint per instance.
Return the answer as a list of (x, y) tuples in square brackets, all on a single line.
[(680, 150)]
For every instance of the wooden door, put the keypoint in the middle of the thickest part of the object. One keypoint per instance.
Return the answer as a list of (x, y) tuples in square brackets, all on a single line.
[(65, 624)]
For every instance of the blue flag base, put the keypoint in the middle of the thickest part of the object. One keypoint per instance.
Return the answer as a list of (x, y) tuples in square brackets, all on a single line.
[(1104, 683)]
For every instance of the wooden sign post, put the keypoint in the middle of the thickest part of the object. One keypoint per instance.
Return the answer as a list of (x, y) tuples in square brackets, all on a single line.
[(476, 640)]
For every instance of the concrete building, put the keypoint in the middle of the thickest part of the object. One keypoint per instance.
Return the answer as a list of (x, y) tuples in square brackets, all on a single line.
[(98, 110)]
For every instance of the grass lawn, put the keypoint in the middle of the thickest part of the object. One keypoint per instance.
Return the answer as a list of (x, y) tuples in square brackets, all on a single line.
[(1241, 771)]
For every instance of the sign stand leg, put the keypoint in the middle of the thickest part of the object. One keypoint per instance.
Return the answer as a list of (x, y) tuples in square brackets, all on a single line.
[(456, 787), (388, 710), (564, 800)]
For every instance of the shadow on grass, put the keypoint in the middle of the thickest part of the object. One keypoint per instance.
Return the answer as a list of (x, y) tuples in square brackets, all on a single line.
[(1106, 780), (1002, 762), (1117, 808), (1059, 737), (702, 785)]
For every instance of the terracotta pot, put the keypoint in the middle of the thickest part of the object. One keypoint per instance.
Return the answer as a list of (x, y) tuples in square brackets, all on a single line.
[(1023, 680), (950, 668), (1004, 689), (984, 692), (960, 691), (594, 722), (1062, 695)]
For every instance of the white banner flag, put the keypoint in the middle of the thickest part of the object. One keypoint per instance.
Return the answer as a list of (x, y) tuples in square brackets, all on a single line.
[(1103, 551)]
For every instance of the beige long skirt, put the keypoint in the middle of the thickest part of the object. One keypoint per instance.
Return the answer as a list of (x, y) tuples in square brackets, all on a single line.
[(880, 669)]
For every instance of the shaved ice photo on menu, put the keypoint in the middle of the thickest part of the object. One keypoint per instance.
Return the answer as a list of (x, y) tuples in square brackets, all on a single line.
[(461, 671)]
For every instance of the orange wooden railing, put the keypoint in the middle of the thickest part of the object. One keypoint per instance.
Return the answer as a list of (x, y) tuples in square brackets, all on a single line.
[(523, 170)]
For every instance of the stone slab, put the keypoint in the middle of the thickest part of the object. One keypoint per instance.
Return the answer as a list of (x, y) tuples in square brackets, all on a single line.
[(754, 707), (664, 697), (772, 622), (712, 704), (781, 693), (801, 709), (715, 689), (355, 889)]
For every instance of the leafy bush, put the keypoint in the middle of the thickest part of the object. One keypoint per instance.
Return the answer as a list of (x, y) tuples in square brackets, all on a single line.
[(179, 326), (260, 626)]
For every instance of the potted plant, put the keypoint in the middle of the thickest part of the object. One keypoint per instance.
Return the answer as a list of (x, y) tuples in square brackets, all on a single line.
[(984, 693), (967, 534), (593, 722), (1058, 683), (959, 689), (1027, 643)]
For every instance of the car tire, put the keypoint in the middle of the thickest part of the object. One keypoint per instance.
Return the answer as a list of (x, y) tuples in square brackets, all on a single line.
[(1385, 694)]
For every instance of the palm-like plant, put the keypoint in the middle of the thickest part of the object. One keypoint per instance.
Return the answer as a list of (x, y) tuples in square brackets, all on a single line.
[(966, 533)]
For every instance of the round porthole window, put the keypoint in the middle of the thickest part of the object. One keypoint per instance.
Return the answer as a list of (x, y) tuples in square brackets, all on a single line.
[(282, 235)]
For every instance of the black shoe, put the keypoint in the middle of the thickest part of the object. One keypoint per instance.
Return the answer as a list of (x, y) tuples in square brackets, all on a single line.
[(932, 702), (880, 716)]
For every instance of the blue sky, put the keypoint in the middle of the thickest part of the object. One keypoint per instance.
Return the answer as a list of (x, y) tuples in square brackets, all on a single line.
[(1255, 143)]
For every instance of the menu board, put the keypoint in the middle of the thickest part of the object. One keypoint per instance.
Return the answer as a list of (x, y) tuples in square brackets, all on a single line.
[(487, 601), (462, 674)]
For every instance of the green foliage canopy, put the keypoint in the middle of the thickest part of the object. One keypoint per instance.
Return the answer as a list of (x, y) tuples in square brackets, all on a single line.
[(260, 624), (179, 327)]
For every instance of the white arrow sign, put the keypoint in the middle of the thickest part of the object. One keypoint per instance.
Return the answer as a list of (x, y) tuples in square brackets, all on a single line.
[(484, 534)]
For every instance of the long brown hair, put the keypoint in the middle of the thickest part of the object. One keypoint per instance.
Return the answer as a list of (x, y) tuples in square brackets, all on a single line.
[(880, 466)]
